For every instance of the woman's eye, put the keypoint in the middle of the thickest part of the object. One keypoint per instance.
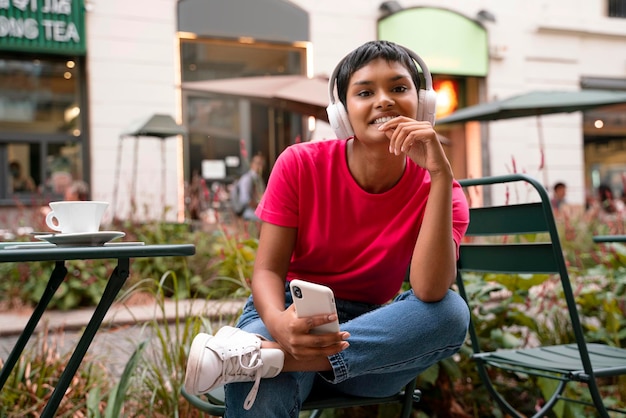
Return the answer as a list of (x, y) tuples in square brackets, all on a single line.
[(364, 93), (400, 89)]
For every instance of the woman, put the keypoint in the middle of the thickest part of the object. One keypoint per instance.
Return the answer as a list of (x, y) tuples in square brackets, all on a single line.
[(352, 215)]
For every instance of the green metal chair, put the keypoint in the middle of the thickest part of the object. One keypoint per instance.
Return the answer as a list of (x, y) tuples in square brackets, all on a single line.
[(319, 400), (578, 361)]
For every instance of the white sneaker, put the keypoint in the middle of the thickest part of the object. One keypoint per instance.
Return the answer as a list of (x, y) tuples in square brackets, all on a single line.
[(232, 355)]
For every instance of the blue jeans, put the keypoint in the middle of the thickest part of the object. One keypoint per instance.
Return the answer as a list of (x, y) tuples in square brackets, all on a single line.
[(389, 346)]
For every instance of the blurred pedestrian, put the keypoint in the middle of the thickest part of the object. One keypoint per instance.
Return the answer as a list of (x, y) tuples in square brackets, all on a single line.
[(559, 202), (558, 197), (251, 188)]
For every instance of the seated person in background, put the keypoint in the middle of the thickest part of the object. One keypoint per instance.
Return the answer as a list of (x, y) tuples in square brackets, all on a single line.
[(608, 205), (78, 190), (607, 209), (353, 214), (19, 181)]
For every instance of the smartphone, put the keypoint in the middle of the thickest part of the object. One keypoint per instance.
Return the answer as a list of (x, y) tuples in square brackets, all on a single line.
[(314, 299)]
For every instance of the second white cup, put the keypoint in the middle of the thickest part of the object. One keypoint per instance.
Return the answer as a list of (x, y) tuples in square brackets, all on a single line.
[(76, 216)]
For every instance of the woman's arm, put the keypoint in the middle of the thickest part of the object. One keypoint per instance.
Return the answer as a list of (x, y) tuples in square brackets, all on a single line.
[(276, 245), (433, 264)]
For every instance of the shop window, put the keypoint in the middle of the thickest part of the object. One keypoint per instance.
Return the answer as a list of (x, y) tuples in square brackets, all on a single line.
[(617, 8), (63, 165), (41, 139), (218, 123), (39, 172), (39, 95)]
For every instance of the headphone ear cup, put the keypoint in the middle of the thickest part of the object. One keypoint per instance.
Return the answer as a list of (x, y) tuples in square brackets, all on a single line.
[(338, 119), (427, 106)]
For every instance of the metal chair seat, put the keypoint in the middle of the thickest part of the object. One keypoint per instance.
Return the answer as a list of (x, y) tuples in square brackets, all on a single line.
[(319, 400), (563, 359)]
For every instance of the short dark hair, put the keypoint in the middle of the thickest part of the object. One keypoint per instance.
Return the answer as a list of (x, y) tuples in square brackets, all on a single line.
[(370, 51), (558, 185)]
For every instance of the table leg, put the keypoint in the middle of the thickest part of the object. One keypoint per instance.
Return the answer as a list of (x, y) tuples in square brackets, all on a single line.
[(116, 281), (56, 278)]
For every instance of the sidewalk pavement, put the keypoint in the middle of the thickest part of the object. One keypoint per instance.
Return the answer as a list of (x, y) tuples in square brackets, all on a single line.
[(12, 323)]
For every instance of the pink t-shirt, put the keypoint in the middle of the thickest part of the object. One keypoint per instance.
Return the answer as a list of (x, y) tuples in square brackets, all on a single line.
[(357, 243)]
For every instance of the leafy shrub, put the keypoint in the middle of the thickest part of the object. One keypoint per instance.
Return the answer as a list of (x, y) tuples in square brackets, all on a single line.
[(35, 375), (505, 319), (155, 388), (221, 267)]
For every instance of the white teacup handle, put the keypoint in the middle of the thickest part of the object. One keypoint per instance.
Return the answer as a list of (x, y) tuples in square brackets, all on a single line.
[(51, 224)]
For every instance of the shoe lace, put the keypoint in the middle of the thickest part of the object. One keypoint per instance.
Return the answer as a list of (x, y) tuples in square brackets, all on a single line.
[(236, 367)]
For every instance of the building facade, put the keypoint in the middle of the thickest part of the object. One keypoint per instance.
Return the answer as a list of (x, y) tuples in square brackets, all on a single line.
[(78, 75)]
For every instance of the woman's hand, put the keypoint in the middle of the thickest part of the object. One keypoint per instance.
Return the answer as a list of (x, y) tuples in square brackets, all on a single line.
[(418, 140), (294, 335)]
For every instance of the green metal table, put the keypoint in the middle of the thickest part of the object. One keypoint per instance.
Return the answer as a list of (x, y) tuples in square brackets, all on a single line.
[(60, 255)]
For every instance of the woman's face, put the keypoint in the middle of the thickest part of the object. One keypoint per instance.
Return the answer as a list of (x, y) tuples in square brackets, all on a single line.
[(376, 92)]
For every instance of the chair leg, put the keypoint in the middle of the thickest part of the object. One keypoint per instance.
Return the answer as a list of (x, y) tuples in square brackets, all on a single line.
[(407, 403), (550, 403), (484, 377), (597, 398), (316, 413)]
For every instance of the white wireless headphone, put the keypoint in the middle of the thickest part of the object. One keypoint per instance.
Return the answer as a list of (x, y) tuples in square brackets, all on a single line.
[(338, 116)]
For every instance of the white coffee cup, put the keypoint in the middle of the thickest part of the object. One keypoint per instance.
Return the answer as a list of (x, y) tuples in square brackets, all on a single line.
[(76, 216)]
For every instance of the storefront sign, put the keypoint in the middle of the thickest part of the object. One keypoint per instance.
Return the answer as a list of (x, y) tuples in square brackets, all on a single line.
[(48, 26)]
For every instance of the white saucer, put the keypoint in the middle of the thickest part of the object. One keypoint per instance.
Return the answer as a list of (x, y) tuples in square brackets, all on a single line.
[(89, 239)]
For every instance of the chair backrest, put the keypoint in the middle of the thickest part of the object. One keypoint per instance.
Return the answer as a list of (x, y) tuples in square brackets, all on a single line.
[(482, 253)]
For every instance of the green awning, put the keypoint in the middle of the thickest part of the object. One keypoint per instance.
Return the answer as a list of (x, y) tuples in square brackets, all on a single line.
[(448, 42)]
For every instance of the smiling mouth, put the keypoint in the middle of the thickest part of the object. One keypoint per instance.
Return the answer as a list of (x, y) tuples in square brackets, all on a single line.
[(382, 120)]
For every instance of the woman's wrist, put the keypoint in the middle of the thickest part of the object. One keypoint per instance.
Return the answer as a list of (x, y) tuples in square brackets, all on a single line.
[(442, 175)]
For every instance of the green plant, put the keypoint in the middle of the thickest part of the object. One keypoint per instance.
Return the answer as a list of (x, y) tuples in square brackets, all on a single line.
[(233, 262), (116, 398), (222, 267), (11, 286), (83, 285), (158, 232), (157, 384), (31, 383), (526, 310)]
